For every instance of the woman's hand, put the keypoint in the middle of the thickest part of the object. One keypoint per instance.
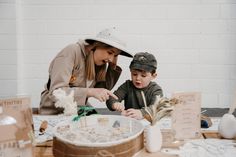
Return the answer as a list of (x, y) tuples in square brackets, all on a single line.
[(101, 94), (114, 62), (133, 113), (118, 106)]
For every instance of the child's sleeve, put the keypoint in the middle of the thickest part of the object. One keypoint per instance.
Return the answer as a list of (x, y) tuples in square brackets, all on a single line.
[(120, 93)]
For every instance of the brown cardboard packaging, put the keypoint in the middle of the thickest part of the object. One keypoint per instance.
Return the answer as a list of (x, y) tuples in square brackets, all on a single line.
[(16, 131)]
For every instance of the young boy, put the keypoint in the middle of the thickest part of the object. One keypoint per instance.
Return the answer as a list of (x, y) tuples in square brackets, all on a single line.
[(140, 91)]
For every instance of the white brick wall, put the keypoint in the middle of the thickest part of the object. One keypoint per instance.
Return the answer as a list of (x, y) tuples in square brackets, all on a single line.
[(193, 40), (8, 53)]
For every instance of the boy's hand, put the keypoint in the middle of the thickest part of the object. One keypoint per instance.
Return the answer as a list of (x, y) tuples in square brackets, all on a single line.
[(133, 113), (118, 107)]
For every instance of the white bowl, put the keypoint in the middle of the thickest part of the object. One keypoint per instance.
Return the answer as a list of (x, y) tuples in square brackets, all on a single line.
[(98, 130)]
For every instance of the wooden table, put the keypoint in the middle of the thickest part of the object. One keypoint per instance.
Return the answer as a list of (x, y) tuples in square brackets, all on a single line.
[(45, 149)]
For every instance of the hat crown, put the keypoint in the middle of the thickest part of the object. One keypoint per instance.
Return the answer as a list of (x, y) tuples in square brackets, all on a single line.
[(145, 57), (112, 35), (144, 61)]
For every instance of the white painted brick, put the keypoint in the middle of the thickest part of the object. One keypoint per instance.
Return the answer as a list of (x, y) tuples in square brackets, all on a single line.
[(233, 72), (8, 88), (7, 27), (34, 42), (215, 56), (231, 26), (7, 11), (207, 11), (35, 101), (144, 27), (179, 56), (214, 85), (217, 1), (166, 41), (210, 71), (179, 85), (214, 26), (228, 11), (7, 42), (33, 86), (99, 12), (226, 100), (31, 89), (179, 41), (49, 55), (153, 42), (7, 57), (68, 27), (174, 71), (213, 41), (101, 2), (55, 12), (35, 71), (210, 100), (8, 72), (33, 57), (7, 1), (180, 11), (138, 12), (232, 85), (184, 26), (158, 26), (33, 27), (194, 41), (231, 41)]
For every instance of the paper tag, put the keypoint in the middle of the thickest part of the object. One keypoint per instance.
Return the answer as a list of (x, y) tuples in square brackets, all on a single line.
[(186, 116)]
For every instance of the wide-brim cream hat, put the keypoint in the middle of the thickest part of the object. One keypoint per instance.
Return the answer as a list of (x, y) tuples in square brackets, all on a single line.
[(110, 37)]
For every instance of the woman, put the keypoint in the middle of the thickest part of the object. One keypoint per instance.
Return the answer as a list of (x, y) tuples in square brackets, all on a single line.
[(87, 67)]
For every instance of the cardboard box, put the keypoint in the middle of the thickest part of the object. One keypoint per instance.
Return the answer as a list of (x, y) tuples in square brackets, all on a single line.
[(16, 128)]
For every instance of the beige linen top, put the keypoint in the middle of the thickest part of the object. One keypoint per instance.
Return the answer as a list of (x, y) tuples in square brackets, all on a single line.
[(67, 71)]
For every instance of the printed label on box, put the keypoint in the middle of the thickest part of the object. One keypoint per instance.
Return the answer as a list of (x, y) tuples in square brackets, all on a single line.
[(16, 125)]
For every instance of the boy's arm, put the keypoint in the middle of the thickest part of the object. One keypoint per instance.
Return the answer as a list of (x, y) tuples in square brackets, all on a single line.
[(120, 93)]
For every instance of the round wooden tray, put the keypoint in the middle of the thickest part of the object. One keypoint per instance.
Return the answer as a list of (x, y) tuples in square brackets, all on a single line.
[(127, 149), (68, 141)]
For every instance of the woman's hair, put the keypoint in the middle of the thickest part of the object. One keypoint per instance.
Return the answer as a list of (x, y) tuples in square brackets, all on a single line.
[(92, 71)]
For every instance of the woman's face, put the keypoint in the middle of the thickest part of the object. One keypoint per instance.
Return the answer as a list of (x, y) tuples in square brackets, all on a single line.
[(105, 55)]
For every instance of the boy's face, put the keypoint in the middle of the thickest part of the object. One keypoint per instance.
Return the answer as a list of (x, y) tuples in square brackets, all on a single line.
[(141, 79)]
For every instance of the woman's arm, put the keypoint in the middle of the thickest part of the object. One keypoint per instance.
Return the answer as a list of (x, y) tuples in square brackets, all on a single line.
[(61, 70)]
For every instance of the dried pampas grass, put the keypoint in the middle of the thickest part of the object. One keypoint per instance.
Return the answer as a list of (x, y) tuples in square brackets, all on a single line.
[(161, 108)]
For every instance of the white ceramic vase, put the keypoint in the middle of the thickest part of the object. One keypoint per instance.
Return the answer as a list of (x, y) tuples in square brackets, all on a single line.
[(227, 126), (153, 138)]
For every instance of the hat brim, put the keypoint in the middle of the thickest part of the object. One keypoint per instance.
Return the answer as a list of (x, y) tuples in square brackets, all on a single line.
[(123, 52), (142, 67)]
